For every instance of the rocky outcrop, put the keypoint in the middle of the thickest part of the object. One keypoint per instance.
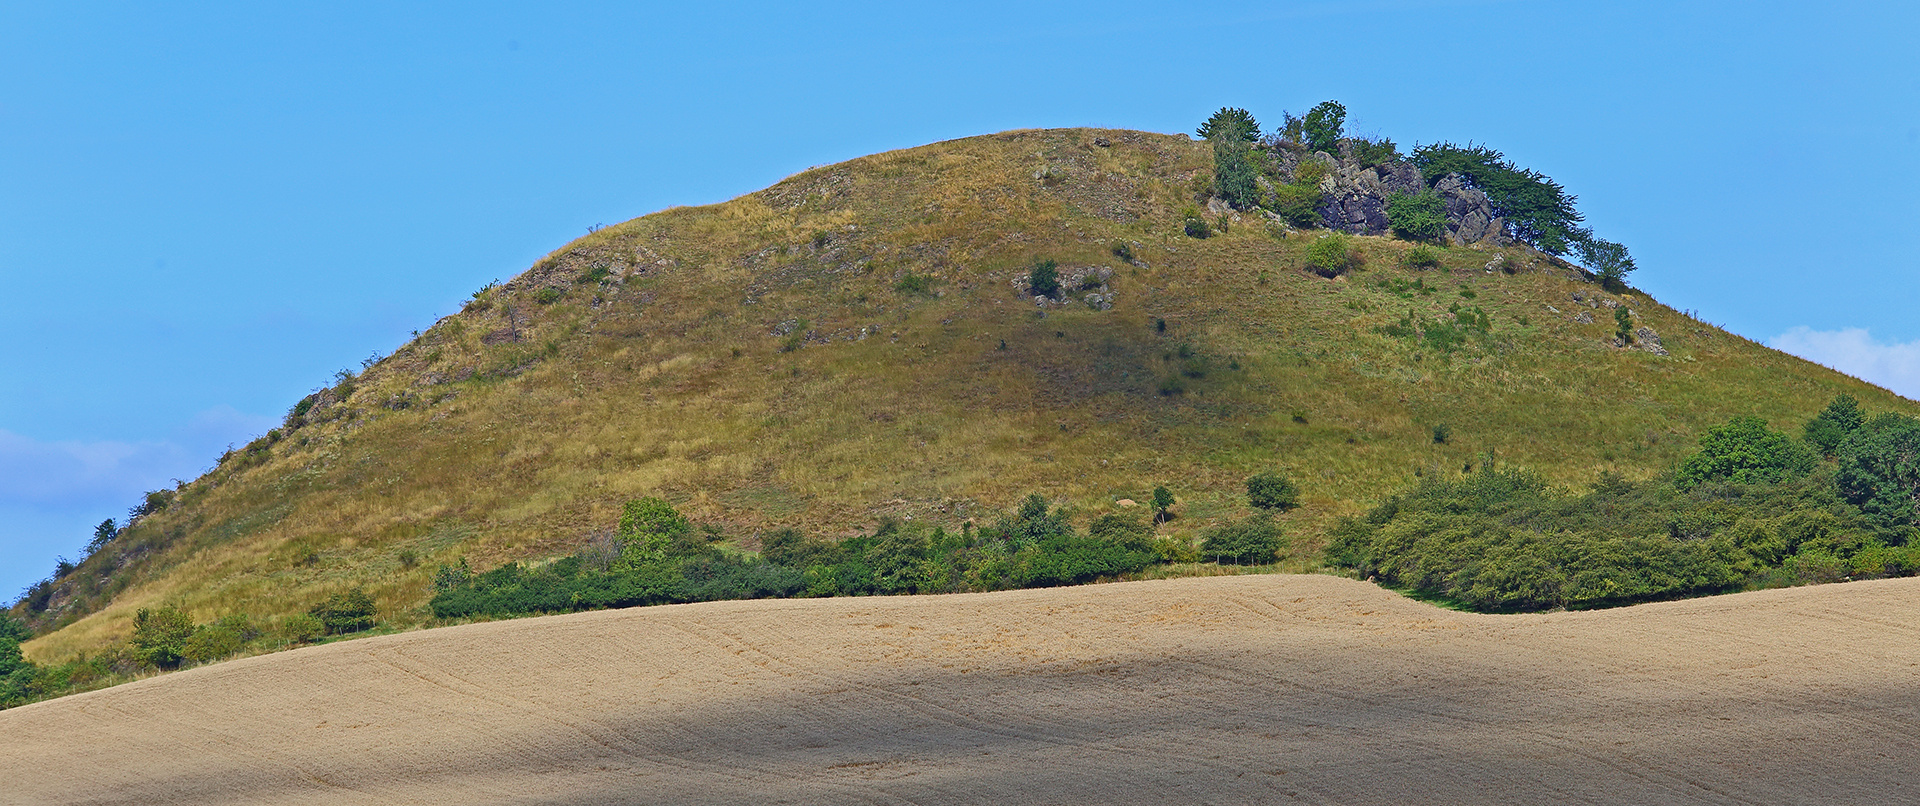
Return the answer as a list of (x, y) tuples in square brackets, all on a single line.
[(1470, 216), (1355, 196)]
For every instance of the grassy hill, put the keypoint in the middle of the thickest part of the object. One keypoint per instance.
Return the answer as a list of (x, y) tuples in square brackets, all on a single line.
[(856, 342)]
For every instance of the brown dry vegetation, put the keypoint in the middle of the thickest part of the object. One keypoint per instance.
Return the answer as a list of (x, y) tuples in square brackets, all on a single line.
[(516, 428), (1254, 689)]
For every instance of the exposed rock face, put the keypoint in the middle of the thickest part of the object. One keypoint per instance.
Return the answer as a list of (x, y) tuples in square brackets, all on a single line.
[(1356, 198), (1644, 338), (1470, 216)]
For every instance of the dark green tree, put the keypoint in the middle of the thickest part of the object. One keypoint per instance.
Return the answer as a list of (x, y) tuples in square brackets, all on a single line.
[(1879, 469), (1324, 125), (1418, 216), (1272, 491), (1231, 123), (1255, 540), (1623, 325), (1044, 279), (1162, 504), (1609, 261), (1831, 427), (1537, 210), (1744, 451), (102, 534), (347, 612)]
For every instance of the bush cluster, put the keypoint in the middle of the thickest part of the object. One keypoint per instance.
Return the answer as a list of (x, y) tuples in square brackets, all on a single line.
[(1751, 508), (665, 561)]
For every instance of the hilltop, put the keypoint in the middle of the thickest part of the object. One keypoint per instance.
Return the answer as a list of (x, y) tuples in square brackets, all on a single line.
[(861, 341)]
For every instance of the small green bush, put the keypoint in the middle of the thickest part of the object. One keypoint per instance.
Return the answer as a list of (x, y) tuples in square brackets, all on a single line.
[(1043, 280), (160, 636), (302, 628), (351, 611), (1623, 325), (1162, 504), (1422, 256), (1123, 251), (1370, 152), (1272, 491), (1418, 216), (1442, 433), (1196, 227), (1254, 541), (918, 285), (1298, 204), (548, 296), (1331, 256)]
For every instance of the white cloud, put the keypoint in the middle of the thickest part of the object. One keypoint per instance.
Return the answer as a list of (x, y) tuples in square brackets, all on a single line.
[(1856, 352)]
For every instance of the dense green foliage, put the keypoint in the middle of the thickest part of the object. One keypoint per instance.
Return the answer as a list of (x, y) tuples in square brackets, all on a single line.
[(1323, 126), (1230, 123), (1234, 172), (1252, 541), (1744, 451), (1537, 209), (1831, 427), (1272, 491), (1332, 255), (1879, 469), (1418, 216), (1043, 280), (351, 611), (1504, 540), (1032, 547), (1751, 508), (160, 636)]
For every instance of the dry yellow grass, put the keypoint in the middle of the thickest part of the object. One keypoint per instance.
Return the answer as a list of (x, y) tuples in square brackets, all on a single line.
[(676, 376), (1248, 689)]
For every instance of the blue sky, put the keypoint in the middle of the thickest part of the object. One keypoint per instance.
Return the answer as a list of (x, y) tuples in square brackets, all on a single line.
[(206, 209)]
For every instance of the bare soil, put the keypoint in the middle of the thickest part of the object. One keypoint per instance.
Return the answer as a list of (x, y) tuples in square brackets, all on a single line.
[(1254, 689)]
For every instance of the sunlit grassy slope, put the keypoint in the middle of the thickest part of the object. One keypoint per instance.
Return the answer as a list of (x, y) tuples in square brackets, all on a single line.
[(761, 363)]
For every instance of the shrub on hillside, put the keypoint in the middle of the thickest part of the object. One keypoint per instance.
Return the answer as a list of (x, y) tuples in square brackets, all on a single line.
[(350, 611), (1043, 280), (1272, 491), (160, 636), (1332, 255), (1253, 541), (1297, 203), (1195, 226), (1418, 216), (1422, 256), (1744, 451)]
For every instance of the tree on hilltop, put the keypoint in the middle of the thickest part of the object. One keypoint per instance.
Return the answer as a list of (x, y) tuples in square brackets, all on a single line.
[(1230, 124)]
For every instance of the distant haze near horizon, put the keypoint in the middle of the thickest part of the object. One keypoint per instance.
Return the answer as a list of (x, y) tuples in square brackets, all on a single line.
[(208, 212)]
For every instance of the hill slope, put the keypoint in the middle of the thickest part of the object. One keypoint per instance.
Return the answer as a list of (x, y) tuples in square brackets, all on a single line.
[(856, 342), (1245, 689)]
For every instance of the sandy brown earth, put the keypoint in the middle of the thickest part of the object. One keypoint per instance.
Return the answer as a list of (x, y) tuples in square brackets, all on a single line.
[(1260, 689)]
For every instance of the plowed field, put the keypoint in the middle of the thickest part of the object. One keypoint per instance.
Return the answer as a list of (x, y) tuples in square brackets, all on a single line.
[(1255, 689)]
